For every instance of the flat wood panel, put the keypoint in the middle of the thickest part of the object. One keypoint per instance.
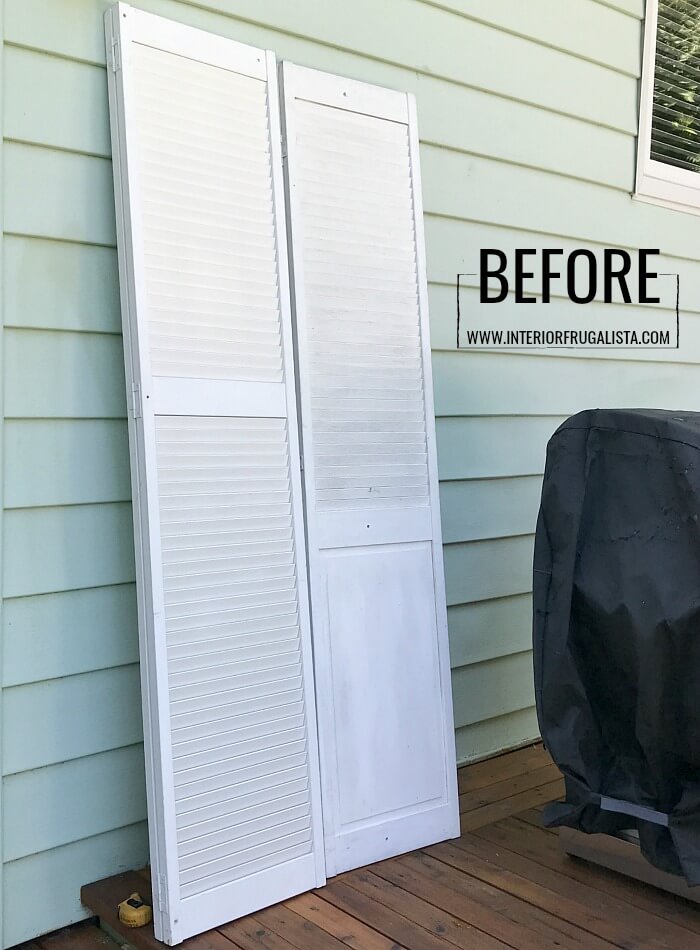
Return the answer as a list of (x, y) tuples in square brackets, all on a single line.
[(75, 375), (489, 508), (53, 101), (494, 688), (71, 717), (57, 285), (489, 447), (633, 8), (64, 870), (65, 462), (490, 628), (56, 194), (385, 588), (53, 635), (588, 90), (56, 549), (49, 807), (479, 570), (471, 384)]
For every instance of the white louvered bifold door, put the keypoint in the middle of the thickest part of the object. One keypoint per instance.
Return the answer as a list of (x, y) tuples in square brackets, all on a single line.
[(373, 518), (229, 714)]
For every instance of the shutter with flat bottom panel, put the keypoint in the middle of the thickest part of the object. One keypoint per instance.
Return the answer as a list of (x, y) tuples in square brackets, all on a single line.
[(229, 714), (373, 519)]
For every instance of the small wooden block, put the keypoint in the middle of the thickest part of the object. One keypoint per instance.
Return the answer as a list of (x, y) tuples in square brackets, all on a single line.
[(623, 856)]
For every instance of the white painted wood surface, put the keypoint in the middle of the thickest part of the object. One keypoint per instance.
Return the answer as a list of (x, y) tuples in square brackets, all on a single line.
[(371, 488), (228, 698)]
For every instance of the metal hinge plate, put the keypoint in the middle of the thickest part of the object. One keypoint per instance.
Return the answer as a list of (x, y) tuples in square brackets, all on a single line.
[(115, 55), (134, 401)]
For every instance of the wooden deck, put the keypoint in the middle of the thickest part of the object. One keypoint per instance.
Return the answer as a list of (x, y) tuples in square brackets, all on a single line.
[(85, 936), (504, 883)]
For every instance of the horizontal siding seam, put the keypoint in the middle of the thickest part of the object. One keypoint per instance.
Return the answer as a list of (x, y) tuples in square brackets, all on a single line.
[(485, 719), (574, 238), (66, 149), (487, 416), (83, 331), (45, 506), (488, 600), (73, 841), (71, 676), (61, 240), (484, 600), (70, 504), (66, 590), (515, 417), (73, 418), (77, 758), (564, 353), (91, 587), (492, 659), (611, 5), (55, 54), (57, 240), (528, 165), (500, 537), (511, 712), (558, 297), (19, 684), (56, 148), (500, 28), (489, 477)]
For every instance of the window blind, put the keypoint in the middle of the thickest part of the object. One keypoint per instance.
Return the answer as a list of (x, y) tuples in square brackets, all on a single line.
[(675, 126)]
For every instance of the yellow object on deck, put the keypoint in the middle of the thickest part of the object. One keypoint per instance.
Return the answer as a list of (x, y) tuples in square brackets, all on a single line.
[(133, 912)]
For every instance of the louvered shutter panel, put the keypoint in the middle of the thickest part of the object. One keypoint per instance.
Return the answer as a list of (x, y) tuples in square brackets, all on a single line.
[(375, 554), (229, 710)]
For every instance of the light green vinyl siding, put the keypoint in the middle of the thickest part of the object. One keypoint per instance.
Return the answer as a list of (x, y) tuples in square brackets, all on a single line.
[(527, 116)]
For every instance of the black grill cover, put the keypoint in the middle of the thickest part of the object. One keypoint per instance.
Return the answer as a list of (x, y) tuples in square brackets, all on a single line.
[(617, 626)]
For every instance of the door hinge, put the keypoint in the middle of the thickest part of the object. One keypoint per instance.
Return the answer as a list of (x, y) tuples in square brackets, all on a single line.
[(114, 55), (134, 401), (284, 146), (162, 893)]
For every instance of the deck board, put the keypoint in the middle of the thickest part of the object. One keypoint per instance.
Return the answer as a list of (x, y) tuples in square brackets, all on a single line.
[(504, 884)]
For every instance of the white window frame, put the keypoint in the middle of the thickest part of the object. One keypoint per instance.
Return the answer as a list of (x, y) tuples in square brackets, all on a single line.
[(658, 182)]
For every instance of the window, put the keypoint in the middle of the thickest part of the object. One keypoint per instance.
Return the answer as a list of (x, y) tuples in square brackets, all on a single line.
[(668, 161)]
